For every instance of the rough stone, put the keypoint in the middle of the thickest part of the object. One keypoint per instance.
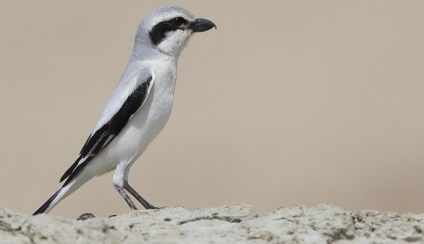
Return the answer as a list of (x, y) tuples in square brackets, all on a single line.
[(324, 223)]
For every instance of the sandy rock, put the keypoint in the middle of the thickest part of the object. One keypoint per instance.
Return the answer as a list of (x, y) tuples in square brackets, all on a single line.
[(232, 224)]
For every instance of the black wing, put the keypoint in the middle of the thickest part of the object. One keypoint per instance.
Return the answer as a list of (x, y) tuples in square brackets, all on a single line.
[(105, 134)]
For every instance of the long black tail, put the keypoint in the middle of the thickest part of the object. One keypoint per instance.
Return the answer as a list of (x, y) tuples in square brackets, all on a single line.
[(46, 206)]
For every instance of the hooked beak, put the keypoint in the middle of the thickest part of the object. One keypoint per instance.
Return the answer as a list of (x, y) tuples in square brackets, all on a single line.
[(201, 25)]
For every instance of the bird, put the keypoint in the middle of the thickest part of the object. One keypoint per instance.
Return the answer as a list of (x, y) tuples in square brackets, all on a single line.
[(138, 108)]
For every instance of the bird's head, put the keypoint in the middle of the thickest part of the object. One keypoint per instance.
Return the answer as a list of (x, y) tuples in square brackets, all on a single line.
[(169, 29)]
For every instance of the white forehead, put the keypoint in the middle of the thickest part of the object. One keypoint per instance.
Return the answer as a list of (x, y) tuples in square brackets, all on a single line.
[(165, 13)]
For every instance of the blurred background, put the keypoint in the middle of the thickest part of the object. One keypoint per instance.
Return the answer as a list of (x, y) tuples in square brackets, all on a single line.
[(286, 103)]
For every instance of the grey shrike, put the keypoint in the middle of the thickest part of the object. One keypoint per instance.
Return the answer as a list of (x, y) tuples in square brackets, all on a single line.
[(139, 106)]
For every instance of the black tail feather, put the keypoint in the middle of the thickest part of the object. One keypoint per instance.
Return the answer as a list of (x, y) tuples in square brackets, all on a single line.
[(46, 205)]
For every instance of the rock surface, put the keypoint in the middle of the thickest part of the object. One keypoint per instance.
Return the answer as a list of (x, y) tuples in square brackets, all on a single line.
[(232, 224)]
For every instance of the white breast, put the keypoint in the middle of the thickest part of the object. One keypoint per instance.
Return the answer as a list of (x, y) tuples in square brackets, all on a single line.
[(149, 121)]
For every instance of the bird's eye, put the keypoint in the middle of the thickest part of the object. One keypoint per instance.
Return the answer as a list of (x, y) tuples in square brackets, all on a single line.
[(178, 21)]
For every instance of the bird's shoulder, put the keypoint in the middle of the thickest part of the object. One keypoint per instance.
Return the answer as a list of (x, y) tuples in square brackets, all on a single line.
[(129, 83)]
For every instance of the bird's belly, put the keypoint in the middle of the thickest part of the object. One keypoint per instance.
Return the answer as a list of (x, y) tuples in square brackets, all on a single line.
[(142, 128)]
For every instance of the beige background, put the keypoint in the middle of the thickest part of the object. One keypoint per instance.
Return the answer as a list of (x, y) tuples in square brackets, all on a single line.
[(288, 102)]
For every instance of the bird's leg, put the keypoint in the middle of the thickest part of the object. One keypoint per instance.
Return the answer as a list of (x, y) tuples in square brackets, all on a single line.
[(124, 195), (137, 196)]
